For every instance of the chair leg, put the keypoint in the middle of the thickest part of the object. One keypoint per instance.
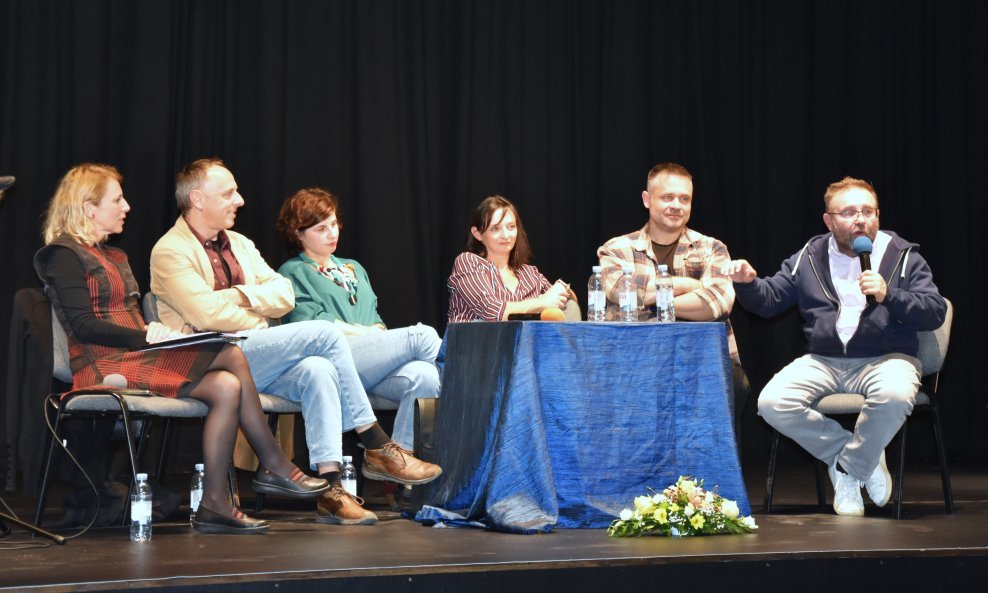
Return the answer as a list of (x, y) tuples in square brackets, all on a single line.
[(163, 454), (231, 476), (900, 472), (948, 493), (39, 513), (770, 479), (129, 437), (821, 479), (259, 498)]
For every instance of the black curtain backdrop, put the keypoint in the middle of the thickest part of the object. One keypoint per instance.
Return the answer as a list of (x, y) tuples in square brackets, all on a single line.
[(413, 111)]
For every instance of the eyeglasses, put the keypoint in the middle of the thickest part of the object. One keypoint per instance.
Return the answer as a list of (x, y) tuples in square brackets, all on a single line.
[(851, 214)]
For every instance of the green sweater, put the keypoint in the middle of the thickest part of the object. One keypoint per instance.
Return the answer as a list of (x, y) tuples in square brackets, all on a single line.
[(318, 297)]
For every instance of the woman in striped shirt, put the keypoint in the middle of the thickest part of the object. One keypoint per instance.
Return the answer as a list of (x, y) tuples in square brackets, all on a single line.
[(492, 278)]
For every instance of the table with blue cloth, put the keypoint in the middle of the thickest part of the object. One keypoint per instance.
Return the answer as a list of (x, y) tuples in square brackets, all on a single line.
[(562, 424)]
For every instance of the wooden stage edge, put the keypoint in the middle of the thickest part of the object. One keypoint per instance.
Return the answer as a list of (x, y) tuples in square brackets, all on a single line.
[(802, 549)]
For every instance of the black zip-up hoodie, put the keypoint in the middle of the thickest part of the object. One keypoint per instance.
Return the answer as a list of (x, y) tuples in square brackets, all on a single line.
[(912, 302)]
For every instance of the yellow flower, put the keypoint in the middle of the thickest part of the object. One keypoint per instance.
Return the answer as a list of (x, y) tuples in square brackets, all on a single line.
[(687, 486), (730, 509), (697, 521), (660, 516), (644, 504)]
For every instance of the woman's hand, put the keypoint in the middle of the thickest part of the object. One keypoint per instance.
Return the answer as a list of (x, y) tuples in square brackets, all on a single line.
[(159, 332), (556, 296)]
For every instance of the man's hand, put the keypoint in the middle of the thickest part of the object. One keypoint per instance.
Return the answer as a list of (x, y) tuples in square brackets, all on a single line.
[(235, 296), (685, 285), (872, 283), (739, 270)]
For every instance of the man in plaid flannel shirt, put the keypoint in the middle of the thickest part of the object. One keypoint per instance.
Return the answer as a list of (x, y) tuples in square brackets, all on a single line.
[(696, 262)]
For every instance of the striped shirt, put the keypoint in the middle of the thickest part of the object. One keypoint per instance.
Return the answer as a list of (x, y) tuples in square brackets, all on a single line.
[(477, 293), (696, 256)]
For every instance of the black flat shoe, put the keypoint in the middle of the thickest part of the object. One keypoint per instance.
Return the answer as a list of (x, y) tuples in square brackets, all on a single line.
[(208, 521), (297, 486)]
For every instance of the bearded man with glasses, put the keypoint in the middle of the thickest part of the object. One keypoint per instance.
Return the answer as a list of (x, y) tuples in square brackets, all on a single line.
[(860, 328)]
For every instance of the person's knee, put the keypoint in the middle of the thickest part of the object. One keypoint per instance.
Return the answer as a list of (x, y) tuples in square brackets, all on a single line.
[(422, 377), (225, 389), (316, 372)]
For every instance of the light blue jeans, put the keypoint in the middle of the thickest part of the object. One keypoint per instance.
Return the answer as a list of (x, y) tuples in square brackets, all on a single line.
[(399, 365), (310, 362), (888, 383)]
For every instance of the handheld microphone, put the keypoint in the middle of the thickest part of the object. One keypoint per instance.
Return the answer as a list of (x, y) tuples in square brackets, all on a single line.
[(862, 246)]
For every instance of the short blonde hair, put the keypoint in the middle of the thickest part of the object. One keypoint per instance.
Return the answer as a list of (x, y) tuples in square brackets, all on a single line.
[(85, 183)]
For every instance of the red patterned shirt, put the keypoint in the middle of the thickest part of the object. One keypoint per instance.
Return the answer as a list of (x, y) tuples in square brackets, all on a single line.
[(477, 293)]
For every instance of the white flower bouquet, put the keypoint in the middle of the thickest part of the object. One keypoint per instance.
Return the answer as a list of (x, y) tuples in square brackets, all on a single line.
[(684, 508)]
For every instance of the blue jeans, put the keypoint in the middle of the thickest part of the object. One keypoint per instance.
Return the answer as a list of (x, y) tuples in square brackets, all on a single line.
[(399, 365), (310, 362)]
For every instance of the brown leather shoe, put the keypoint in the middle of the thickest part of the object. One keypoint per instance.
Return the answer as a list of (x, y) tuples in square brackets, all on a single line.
[(391, 462), (339, 507)]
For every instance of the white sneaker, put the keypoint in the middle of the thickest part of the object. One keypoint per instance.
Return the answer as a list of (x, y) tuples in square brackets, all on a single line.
[(847, 493), (879, 485)]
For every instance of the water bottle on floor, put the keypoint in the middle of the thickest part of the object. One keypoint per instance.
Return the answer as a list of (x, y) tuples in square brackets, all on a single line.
[(665, 301), (140, 510), (348, 475), (628, 295), (195, 490), (596, 300)]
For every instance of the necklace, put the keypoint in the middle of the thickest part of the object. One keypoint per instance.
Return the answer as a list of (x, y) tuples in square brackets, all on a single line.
[(342, 277)]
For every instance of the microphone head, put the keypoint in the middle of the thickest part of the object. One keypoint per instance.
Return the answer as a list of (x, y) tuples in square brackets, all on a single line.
[(115, 380), (861, 245), (6, 182), (552, 314)]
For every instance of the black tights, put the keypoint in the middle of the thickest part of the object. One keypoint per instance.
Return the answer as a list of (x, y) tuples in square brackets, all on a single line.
[(229, 391)]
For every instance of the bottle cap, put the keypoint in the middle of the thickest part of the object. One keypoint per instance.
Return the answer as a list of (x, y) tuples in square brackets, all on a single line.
[(347, 459), (663, 268), (597, 269), (200, 467), (141, 477)]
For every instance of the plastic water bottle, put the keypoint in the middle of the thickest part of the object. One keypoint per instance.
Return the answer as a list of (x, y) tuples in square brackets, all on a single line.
[(628, 296), (348, 475), (140, 510), (596, 300), (665, 303), (195, 490)]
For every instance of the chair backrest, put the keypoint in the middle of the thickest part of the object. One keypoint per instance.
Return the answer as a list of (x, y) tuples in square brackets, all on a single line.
[(933, 344), (149, 305), (60, 350)]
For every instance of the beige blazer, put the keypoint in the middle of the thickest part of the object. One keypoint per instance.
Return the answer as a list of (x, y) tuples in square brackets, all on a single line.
[(182, 279)]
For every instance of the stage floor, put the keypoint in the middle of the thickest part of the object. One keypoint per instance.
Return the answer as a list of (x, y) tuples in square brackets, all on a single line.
[(801, 548)]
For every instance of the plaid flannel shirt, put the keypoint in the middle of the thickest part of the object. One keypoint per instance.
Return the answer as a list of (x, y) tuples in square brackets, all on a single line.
[(705, 256)]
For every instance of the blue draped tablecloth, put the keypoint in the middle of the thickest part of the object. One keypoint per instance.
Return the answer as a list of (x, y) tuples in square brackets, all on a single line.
[(562, 424)]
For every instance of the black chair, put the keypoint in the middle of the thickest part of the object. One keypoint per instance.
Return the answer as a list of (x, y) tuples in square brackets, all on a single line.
[(932, 351)]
